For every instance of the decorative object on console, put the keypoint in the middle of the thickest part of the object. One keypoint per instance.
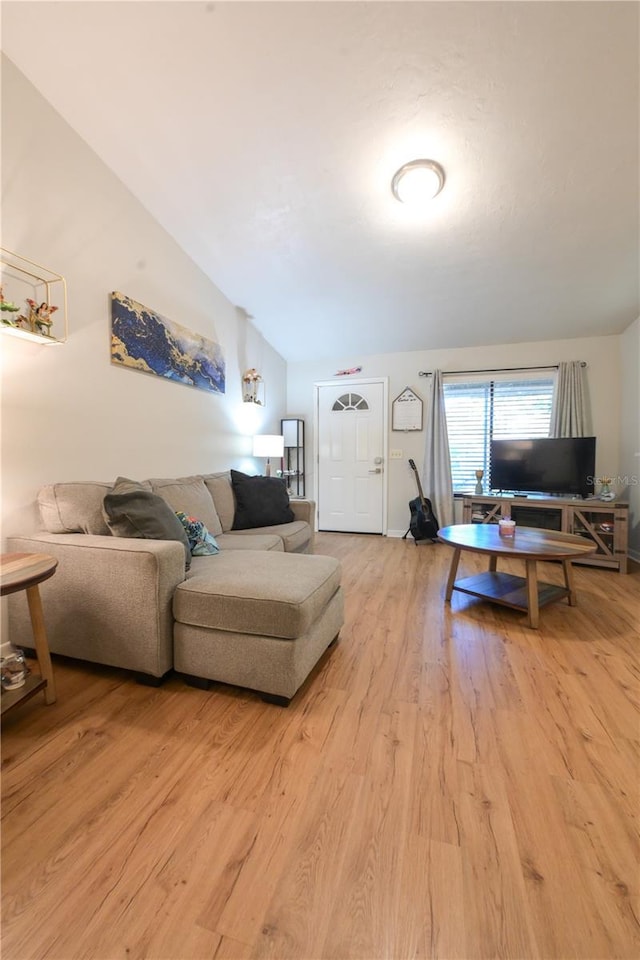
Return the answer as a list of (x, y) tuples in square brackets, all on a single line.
[(606, 493), (252, 387), (44, 293), (147, 341), (260, 501), (268, 445), (479, 490)]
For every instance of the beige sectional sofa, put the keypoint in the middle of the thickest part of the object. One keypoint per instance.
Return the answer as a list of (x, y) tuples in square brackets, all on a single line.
[(259, 614)]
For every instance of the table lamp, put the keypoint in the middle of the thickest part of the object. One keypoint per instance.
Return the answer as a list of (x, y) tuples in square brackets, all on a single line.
[(268, 445)]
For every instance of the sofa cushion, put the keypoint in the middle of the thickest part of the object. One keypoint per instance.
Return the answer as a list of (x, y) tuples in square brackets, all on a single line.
[(260, 501), (269, 594), (252, 541), (219, 486), (74, 507), (189, 495), (132, 511), (295, 536)]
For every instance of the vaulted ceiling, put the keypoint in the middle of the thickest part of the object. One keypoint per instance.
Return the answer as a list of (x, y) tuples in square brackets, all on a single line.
[(263, 136)]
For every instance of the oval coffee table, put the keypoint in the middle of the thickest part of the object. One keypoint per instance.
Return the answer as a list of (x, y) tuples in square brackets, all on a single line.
[(529, 544)]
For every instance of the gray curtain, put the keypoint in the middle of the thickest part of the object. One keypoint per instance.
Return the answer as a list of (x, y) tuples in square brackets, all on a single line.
[(570, 412), (436, 471)]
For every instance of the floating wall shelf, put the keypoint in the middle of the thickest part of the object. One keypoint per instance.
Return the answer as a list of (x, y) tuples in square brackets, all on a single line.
[(23, 279)]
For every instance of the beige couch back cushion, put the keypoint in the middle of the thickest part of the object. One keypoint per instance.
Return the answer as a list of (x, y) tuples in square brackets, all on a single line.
[(77, 506), (74, 507), (219, 486), (190, 495)]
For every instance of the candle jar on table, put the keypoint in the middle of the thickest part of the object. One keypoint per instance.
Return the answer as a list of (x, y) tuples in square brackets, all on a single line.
[(506, 527)]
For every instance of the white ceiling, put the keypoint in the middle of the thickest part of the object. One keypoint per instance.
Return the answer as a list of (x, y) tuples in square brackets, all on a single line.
[(263, 137)]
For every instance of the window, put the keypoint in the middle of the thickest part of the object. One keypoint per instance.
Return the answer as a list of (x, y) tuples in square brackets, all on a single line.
[(350, 401), (479, 411)]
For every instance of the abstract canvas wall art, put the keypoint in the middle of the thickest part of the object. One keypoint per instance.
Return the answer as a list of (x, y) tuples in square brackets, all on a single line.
[(147, 341)]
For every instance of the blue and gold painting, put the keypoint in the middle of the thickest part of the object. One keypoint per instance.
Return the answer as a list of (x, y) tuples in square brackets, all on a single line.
[(147, 341)]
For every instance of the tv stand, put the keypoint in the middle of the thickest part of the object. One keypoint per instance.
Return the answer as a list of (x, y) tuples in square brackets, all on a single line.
[(606, 523)]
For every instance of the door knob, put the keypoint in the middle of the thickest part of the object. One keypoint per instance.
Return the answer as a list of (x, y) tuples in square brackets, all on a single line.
[(377, 470), (377, 459)]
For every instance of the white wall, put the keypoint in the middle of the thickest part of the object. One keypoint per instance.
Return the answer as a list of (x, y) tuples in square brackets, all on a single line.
[(67, 412), (602, 355), (630, 431)]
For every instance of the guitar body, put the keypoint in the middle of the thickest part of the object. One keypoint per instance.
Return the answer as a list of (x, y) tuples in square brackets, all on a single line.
[(423, 524)]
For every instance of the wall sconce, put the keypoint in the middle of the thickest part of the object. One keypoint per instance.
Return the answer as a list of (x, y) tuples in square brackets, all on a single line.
[(268, 445), (252, 387)]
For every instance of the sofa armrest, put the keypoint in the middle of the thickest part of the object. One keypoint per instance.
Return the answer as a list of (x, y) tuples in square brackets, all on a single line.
[(109, 600), (304, 510)]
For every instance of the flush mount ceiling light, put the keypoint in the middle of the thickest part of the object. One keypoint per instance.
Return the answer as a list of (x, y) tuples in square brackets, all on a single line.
[(417, 181)]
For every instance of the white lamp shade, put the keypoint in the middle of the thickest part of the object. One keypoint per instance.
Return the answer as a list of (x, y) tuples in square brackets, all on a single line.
[(268, 445), (290, 433)]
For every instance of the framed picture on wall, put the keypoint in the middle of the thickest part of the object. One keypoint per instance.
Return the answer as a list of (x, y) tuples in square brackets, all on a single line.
[(146, 341), (406, 411)]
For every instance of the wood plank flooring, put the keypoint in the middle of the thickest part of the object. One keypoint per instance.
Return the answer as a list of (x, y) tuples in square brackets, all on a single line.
[(448, 784)]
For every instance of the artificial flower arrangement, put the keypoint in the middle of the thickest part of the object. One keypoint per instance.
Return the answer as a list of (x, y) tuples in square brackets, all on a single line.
[(37, 320)]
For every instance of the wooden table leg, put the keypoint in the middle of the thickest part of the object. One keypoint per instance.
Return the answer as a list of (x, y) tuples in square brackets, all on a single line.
[(532, 593), (568, 582), (452, 573), (493, 562), (42, 645)]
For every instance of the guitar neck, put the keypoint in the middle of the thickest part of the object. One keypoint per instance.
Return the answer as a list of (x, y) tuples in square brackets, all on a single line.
[(419, 485)]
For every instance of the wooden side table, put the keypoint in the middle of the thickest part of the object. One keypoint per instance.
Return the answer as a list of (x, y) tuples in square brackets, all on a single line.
[(24, 571)]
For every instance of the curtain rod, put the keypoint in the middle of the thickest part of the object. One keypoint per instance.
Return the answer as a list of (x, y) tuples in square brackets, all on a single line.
[(553, 366)]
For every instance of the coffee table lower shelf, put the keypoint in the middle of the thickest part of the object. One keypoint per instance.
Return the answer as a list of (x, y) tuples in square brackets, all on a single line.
[(508, 590)]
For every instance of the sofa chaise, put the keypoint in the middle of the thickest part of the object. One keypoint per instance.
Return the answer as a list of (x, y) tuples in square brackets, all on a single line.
[(258, 614)]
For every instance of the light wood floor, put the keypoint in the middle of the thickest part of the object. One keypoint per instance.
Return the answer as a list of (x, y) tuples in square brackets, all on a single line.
[(448, 784)]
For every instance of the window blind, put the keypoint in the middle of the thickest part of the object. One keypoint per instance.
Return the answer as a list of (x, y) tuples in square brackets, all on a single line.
[(479, 411)]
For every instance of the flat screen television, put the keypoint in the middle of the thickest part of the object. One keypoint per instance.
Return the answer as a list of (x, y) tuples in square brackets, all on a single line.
[(564, 466)]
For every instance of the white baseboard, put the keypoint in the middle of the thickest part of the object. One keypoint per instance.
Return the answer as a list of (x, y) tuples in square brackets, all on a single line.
[(396, 533)]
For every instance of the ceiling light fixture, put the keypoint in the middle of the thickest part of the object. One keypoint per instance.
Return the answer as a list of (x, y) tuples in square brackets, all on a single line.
[(417, 181)]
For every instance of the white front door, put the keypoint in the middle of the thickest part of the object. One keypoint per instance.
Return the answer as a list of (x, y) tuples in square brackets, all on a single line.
[(351, 448)]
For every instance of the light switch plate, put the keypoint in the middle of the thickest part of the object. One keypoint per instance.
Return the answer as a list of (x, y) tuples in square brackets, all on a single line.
[(395, 454)]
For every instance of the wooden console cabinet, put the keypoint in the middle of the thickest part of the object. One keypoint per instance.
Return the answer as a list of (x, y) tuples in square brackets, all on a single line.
[(605, 523)]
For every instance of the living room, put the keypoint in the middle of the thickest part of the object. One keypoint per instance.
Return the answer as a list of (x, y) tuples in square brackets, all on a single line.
[(69, 413)]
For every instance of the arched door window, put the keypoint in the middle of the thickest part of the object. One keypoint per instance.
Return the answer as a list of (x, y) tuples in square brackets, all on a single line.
[(350, 401)]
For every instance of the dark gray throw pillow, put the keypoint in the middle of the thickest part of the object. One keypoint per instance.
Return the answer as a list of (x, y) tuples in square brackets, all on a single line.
[(132, 511), (260, 501)]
